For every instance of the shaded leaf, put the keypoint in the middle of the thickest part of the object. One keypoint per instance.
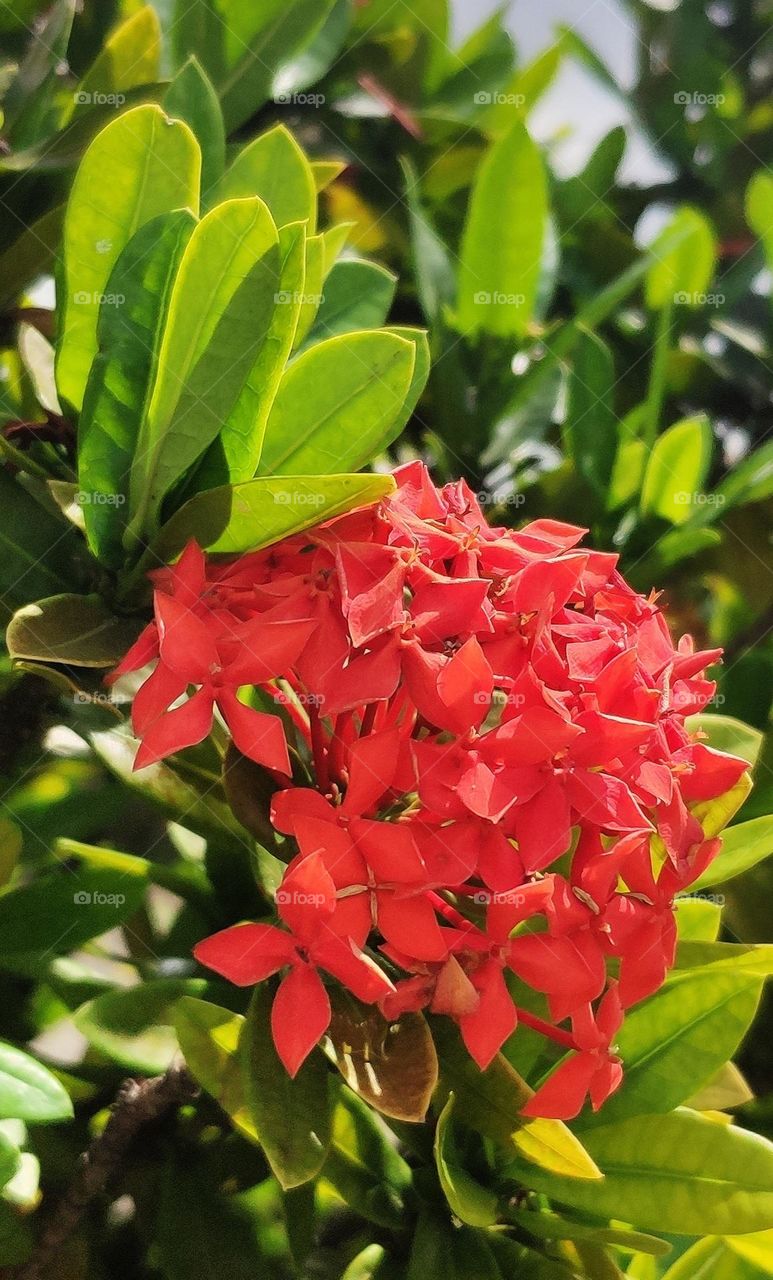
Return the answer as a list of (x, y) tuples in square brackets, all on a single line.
[(392, 1065)]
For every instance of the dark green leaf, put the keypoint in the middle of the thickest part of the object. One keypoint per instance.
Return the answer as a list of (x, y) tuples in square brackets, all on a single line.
[(28, 1090)]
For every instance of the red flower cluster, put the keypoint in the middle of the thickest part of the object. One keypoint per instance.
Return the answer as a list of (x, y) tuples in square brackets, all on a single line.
[(499, 775)]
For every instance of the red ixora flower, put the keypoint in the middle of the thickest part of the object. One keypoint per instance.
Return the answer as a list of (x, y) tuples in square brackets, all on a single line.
[(495, 781)]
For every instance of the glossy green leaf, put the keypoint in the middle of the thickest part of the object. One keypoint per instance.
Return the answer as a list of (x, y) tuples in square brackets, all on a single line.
[(257, 41), (57, 913), (218, 319), (549, 1226), (28, 1090), (681, 275), (743, 846), (191, 97), (591, 426), (460, 1253), (490, 1101), (245, 517), (500, 272), (40, 554), (726, 733), (313, 282), (684, 1175), (676, 1041), (30, 255), (275, 168), (76, 631), (292, 1116), (713, 1260), (338, 404), (130, 56), (677, 469), (233, 457), (698, 919), (123, 375), (141, 165), (467, 1198), (358, 295), (135, 1026), (759, 210), (209, 1040), (756, 1248), (363, 1165)]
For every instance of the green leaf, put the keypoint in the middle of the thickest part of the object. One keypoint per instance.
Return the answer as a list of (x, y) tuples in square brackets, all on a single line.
[(756, 1248), (28, 1090), (393, 1066), (681, 274), (364, 1167), (358, 295), (191, 97), (38, 553), (234, 455), (37, 356), (490, 1102), (130, 56), (435, 279), (292, 1117), (30, 255), (683, 1174), (313, 280), (726, 1090), (218, 319), (123, 374), (591, 426), (468, 1199), (58, 913), (698, 920), (500, 270), (76, 631), (454, 1253), (743, 846), (275, 168), (246, 517), (135, 1026), (209, 1040), (11, 845), (9, 1163), (549, 1226), (259, 39), (759, 210), (338, 404), (713, 1260), (677, 1040), (725, 733), (677, 469), (139, 166)]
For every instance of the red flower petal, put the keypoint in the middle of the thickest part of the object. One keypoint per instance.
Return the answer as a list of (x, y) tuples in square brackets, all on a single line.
[(300, 1016), (246, 953)]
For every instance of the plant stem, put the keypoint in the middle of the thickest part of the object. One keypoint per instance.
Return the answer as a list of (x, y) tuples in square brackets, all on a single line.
[(545, 1029)]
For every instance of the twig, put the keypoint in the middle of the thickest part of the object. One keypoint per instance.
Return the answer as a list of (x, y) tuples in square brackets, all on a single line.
[(138, 1103)]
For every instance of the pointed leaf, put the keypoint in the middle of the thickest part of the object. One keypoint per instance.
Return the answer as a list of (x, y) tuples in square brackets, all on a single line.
[(338, 404), (76, 631), (139, 166), (191, 97), (245, 517), (468, 1199), (275, 168), (209, 1040), (292, 1117), (500, 271)]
